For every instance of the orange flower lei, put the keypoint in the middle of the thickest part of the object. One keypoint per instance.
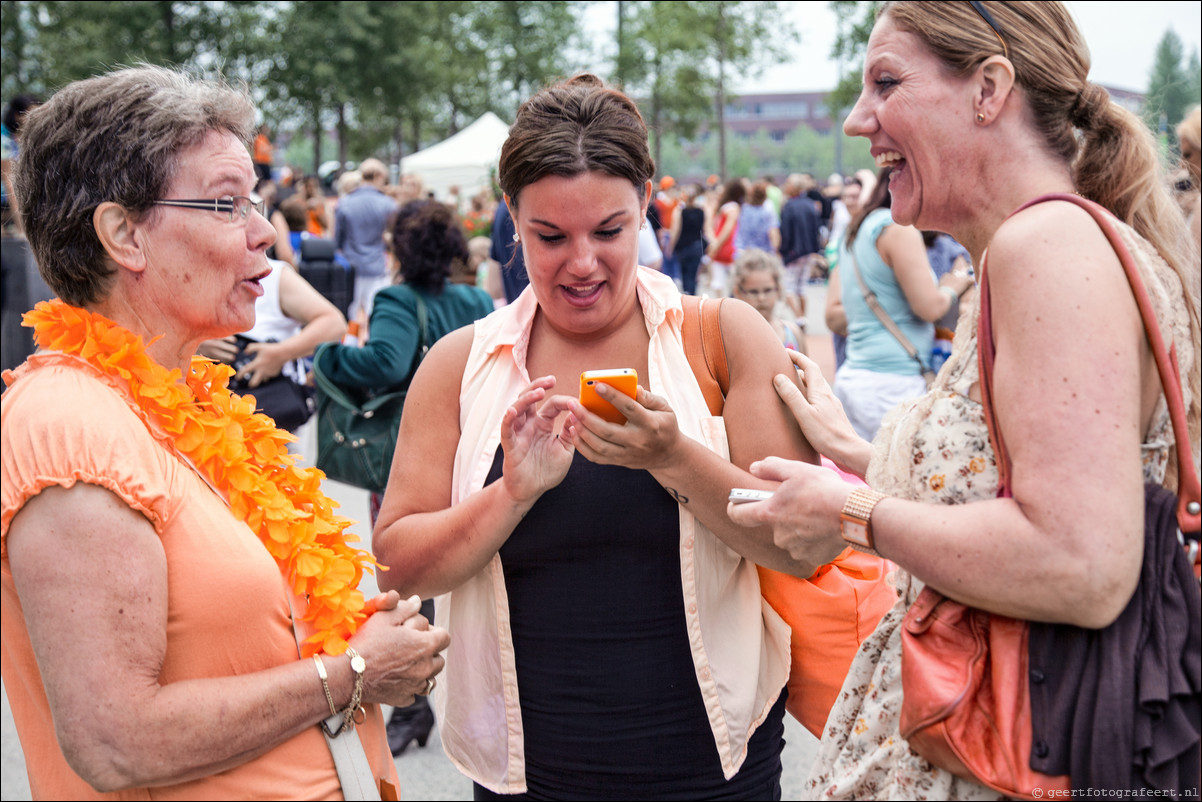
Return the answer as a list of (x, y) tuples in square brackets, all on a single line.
[(242, 455)]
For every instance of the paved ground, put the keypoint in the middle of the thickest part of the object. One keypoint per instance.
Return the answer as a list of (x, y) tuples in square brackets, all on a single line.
[(427, 774)]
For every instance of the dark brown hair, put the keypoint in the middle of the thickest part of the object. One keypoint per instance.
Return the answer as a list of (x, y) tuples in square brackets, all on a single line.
[(879, 198), (733, 191), (575, 127), (427, 242)]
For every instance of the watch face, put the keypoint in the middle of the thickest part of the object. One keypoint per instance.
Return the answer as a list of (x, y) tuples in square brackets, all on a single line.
[(856, 533)]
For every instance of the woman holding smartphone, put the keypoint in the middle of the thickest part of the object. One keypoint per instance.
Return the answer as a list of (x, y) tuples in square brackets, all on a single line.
[(609, 639)]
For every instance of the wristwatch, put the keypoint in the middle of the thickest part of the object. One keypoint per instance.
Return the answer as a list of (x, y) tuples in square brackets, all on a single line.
[(855, 519)]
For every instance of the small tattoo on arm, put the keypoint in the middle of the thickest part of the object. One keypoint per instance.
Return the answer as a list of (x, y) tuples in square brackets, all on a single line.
[(680, 498)]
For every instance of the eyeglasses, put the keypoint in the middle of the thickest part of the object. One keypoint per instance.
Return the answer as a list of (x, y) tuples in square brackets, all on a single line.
[(238, 207), (756, 293)]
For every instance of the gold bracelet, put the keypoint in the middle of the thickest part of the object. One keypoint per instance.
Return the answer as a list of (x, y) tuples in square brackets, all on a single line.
[(325, 685), (355, 714)]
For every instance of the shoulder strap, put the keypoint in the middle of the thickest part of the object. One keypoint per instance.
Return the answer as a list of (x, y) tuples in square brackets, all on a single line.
[(350, 758), (1189, 493), (701, 334), (883, 316), (422, 327)]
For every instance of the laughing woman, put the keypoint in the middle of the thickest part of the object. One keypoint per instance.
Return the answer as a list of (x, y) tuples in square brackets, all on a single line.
[(994, 132)]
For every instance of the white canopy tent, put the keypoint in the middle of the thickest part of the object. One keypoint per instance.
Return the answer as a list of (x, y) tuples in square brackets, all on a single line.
[(466, 159)]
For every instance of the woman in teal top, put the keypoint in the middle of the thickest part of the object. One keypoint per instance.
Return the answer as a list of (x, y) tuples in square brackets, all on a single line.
[(426, 242), (878, 372)]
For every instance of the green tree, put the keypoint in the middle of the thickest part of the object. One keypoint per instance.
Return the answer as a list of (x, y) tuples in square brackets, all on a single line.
[(529, 43), (1193, 76), (48, 43), (662, 61), (18, 58), (742, 37), (854, 23), (803, 150), (1169, 88)]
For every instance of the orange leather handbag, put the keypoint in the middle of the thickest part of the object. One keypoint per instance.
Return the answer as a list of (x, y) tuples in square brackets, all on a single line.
[(967, 704)]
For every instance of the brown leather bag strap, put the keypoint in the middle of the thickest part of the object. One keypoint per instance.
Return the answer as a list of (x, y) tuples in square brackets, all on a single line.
[(701, 334), (1189, 493)]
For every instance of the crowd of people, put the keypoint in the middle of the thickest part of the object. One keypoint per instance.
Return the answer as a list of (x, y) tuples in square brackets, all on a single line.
[(181, 613)]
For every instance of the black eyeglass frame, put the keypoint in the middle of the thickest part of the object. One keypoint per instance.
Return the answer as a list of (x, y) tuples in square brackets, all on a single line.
[(239, 205)]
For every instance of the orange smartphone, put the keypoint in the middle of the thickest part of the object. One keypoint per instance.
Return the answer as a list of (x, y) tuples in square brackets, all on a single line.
[(625, 380)]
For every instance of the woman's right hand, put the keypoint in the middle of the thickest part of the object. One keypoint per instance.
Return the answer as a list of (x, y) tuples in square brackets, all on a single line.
[(536, 457), (821, 417), (401, 649)]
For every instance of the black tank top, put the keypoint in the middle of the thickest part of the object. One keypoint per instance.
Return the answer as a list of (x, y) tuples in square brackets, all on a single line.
[(609, 696), (692, 221)]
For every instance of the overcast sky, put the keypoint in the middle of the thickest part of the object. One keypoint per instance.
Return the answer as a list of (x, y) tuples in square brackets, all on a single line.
[(1122, 39)]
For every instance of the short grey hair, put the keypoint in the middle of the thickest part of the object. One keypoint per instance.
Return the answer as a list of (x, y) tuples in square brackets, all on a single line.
[(115, 137)]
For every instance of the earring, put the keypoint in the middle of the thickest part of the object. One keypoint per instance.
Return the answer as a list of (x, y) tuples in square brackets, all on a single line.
[(980, 117), (516, 237)]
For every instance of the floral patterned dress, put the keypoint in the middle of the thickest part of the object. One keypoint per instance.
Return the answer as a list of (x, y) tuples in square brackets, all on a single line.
[(937, 449)]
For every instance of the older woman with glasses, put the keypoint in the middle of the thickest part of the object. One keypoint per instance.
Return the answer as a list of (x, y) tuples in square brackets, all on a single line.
[(180, 613)]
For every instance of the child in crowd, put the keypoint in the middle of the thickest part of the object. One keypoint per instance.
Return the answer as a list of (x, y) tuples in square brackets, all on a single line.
[(756, 279)]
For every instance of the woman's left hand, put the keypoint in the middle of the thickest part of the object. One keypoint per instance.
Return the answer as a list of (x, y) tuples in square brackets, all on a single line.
[(645, 442), (803, 512)]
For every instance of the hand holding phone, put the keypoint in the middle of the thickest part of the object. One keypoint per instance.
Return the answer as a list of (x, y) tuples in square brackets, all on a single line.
[(624, 380)]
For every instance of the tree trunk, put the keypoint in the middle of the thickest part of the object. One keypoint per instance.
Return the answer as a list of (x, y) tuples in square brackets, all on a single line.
[(342, 135), (168, 15), (721, 92), (656, 115), (317, 137), (398, 137), (838, 121), (620, 67)]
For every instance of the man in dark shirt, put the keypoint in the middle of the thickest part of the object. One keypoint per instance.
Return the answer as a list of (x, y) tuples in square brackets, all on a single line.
[(504, 249), (800, 241)]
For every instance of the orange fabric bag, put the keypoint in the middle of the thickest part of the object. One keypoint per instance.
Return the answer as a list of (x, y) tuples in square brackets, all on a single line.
[(830, 612)]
